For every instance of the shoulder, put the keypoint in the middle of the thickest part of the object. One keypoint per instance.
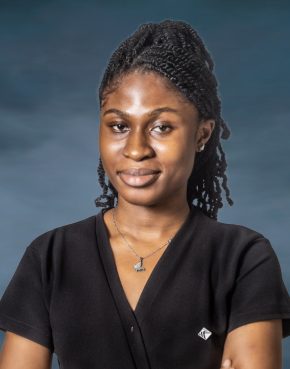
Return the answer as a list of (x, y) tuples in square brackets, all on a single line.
[(233, 253), (63, 235), (231, 239), (216, 228)]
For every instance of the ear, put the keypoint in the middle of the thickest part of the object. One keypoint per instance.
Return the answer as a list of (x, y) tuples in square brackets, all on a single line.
[(204, 131)]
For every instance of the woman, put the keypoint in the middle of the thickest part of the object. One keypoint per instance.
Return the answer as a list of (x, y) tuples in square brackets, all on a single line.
[(153, 280)]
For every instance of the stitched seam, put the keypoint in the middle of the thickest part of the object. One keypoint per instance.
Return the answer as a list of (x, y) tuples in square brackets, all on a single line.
[(28, 325)]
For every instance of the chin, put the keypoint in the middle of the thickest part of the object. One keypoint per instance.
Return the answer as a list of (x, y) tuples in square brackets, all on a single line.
[(143, 197)]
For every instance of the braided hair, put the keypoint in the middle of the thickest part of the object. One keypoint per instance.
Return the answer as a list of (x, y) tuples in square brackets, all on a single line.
[(174, 50)]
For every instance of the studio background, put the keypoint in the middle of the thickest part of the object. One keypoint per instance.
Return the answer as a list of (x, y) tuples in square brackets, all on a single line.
[(53, 54)]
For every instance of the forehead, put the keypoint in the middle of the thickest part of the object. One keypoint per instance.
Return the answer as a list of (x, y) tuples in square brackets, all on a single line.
[(145, 88)]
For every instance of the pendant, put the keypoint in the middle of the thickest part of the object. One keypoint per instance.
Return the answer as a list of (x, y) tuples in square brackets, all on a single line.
[(139, 266)]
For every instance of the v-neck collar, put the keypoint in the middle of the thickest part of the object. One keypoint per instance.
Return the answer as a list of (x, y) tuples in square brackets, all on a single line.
[(159, 273)]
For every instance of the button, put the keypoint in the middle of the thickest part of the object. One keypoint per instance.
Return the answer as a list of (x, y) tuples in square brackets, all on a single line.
[(132, 329)]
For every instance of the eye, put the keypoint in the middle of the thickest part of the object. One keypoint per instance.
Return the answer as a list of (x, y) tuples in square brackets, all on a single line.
[(118, 128), (164, 128), (119, 125)]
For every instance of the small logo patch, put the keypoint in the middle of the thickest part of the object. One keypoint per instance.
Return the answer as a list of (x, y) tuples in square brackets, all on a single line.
[(204, 334)]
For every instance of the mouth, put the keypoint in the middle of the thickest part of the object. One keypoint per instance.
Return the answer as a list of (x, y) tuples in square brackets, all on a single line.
[(139, 180)]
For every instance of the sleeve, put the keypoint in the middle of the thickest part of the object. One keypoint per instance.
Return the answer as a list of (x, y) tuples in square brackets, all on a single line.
[(259, 292), (22, 307)]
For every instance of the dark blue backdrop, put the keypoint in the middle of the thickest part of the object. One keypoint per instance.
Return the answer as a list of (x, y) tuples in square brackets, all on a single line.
[(52, 57)]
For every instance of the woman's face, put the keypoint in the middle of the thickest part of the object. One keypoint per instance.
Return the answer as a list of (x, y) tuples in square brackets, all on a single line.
[(143, 124)]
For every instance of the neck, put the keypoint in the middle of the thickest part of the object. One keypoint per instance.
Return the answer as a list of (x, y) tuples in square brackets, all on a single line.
[(149, 223)]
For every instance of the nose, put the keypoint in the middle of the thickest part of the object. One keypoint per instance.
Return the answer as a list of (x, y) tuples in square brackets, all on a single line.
[(137, 146)]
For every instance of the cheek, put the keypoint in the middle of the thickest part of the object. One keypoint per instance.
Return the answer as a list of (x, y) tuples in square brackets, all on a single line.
[(178, 157), (107, 150)]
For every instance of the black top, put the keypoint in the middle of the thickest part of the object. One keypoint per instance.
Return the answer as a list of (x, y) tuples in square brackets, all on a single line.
[(213, 277)]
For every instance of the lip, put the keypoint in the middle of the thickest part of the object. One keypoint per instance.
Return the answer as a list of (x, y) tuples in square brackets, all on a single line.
[(139, 180), (139, 171)]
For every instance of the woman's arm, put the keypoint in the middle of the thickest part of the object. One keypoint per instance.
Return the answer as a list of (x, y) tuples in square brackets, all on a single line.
[(255, 346), (21, 353)]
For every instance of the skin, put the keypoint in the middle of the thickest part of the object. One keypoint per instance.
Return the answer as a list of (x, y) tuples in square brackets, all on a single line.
[(149, 212), (21, 353), (255, 346), (154, 212), (130, 137)]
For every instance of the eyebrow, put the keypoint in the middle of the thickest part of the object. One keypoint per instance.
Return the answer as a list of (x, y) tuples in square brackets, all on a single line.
[(154, 112)]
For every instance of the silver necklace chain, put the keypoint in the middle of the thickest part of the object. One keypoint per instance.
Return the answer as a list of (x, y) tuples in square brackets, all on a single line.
[(139, 266)]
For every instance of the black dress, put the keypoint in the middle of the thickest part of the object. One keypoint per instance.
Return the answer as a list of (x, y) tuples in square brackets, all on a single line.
[(213, 277)]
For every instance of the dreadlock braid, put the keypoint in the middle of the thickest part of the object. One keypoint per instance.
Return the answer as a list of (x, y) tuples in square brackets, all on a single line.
[(174, 50)]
